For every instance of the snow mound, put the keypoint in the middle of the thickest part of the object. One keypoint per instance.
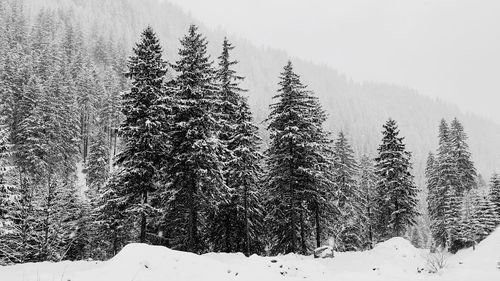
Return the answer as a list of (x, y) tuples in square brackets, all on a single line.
[(487, 253), (481, 263), (141, 262), (396, 246), (393, 260), (485, 256)]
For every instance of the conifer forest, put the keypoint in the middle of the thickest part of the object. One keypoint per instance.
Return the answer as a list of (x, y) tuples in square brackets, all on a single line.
[(104, 143)]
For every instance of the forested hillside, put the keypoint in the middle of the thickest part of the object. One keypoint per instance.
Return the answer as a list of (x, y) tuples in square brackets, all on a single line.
[(359, 108), (123, 121)]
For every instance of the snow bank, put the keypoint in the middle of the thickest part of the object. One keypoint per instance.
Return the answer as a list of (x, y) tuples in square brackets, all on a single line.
[(140, 262), (479, 264), (393, 260)]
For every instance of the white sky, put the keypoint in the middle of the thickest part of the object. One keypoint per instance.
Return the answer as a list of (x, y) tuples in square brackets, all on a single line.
[(442, 48)]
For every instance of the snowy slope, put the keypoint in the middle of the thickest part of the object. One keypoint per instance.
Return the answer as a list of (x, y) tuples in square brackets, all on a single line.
[(395, 259), (483, 263)]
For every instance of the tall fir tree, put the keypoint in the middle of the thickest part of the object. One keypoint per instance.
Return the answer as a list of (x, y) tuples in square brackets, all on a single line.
[(494, 192), (396, 190), (237, 224), (195, 172), (112, 224), (296, 177), (477, 220), (466, 172), (98, 160), (445, 180), (143, 130), (367, 186), (348, 196)]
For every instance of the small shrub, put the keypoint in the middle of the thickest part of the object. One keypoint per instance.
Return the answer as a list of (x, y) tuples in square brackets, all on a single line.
[(436, 261)]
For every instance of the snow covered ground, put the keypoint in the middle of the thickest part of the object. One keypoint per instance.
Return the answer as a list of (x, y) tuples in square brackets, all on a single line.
[(395, 259)]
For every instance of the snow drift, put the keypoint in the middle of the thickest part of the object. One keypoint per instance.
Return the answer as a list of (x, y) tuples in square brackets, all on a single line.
[(395, 259)]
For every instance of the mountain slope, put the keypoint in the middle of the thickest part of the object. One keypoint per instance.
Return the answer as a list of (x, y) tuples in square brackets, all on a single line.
[(360, 109)]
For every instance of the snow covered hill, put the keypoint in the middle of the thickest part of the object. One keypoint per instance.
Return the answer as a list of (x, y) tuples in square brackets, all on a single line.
[(395, 259)]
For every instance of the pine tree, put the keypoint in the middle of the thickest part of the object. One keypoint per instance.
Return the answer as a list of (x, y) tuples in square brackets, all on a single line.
[(143, 130), (195, 178), (348, 197), (466, 172), (495, 193), (112, 223), (296, 177), (396, 191), (432, 192), (367, 187), (478, 219), (237, 225), (8, 199), (445, 180), (97, 166), (451, 218), (486, 216)]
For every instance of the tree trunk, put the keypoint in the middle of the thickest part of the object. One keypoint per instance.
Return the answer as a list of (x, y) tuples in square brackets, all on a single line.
[(302, 233), (143, 218), (318, 226), (247, 230), (193, 220)]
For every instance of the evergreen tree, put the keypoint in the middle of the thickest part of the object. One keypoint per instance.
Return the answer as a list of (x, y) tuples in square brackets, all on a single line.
[(466, 172), (348, 197), (237, 225), (495, 193), (396, 191), (112, 223), (477, 220), (8, 198), (98, 165), (486, 216), (451, 218), (143, 130), (296, 176), (367, 187), (445, 180), (195, 178)]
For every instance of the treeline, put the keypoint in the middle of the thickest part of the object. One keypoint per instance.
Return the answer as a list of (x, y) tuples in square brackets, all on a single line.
[(461, 213)]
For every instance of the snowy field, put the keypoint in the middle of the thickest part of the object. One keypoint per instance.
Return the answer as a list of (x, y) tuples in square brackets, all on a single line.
[(395, 259)]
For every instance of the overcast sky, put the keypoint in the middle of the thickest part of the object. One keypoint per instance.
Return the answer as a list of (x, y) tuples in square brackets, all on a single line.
[(443, 48)]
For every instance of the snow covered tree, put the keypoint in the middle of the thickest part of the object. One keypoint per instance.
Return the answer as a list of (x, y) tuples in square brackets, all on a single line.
[(194, 174), (451, 218), (237, 224), (432, 192), (88, 88), (8, 199), (486, 216), (113, 226), (477, 220), (98, 160), (396, 190), (296, 176), (468, 223), (444, 181), (144, 128), (451, 176), (495, 192), (466, 172), (348, 196), (367, 188)]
